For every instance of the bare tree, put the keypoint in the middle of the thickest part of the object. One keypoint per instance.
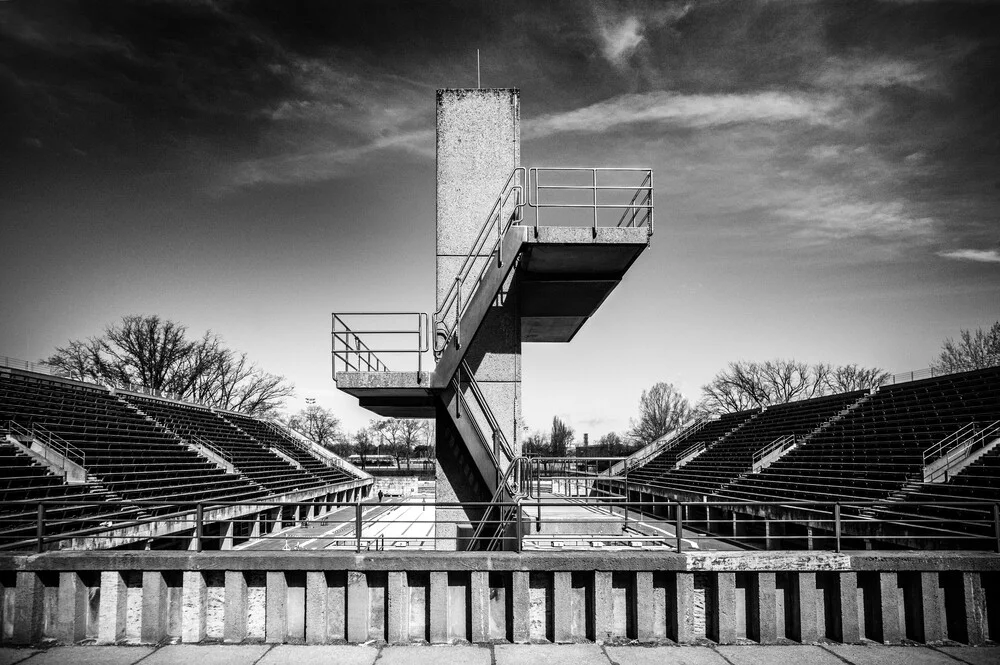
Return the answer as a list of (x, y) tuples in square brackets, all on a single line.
[(411, 433), (156, 354), (363, 445), (661, 410), (745, 384), (973, 350), (536, 444), (317, 424), (846, 378), (562, 436)]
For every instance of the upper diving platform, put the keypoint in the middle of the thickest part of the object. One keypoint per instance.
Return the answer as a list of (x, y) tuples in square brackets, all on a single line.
[(587, 226)]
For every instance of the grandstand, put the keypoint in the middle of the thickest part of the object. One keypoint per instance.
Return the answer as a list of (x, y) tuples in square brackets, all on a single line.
[(124, 458), (923, 442)]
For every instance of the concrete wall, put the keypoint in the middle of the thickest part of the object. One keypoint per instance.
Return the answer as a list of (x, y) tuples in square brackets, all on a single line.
[(425, 596), (478, 145)]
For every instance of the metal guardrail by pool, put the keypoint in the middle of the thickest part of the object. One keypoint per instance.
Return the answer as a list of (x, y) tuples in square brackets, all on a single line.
[(565, 189), (541, 523)]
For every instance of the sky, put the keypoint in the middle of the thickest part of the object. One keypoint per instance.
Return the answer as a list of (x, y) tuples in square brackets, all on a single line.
[(827, 175)]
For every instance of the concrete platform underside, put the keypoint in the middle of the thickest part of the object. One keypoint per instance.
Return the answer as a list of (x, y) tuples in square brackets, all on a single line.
[(504, 654)]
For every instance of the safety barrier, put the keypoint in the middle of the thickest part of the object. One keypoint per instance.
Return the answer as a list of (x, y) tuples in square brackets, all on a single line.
[(400, 597)]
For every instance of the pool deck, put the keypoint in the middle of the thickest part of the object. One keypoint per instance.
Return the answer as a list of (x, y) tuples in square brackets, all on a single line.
[(503, 654)]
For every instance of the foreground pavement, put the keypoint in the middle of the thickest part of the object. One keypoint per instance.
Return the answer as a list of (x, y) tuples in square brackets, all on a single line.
[(503, 654)]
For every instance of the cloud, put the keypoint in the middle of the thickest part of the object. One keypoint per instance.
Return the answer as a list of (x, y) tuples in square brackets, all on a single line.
[(838, 212), (693, 111), (319, 165), (618, 41), (978, 255)]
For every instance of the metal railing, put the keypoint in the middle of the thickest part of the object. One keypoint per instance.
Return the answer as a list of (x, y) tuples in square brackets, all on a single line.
[(499, 438), (212, 447), (925, 373), (567, 187), (416, 523), (39, 368), (487, 245), (407, 334), (939, 459), (660, 445), (51, 444), (780, 444)]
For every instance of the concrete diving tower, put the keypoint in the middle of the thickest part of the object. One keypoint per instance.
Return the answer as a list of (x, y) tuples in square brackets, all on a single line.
[(523, 255)]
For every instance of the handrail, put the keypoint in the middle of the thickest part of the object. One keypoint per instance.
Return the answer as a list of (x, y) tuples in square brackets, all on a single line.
[(52, 441), (215, 448), (464, 406), (349, 348), (955, 448), (641, 202), (685, 454), (780, 443), (513, 473), (660, 445), (495, 219), (477, 392), (947, 443)]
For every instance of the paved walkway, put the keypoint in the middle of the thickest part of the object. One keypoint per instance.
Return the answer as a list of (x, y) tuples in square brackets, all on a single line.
[(503, 654)]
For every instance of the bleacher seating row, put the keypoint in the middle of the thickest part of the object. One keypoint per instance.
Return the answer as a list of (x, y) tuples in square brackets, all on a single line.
[(136, 449), (852, 447)]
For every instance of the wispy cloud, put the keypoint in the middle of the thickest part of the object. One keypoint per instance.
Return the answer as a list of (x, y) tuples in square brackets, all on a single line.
[(978, 255), (318, 165), (693, 111), (619, 40)]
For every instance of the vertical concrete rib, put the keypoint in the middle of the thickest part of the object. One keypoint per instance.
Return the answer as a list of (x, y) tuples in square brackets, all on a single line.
[(521, 606), (644, 613), (193, 615), (684, 608), (766, 609), (724, 619), (562, 606), (113, 607), (850, 616), (276, 603), (28, 600), (316, 601), (399, 615), (357, 606), (889, 609), (603, 604), (932, 604), (72, 613), (808, 597), (480, 606), (155, 604), (439, 607), (974, 606), (234, 627)]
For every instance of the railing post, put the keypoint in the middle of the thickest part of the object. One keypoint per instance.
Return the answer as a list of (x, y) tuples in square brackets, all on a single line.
[(520, 526), (199, 526), (357, 526), (595, 201), (836, 526), (678, 527), (458, 311), (40, 527), (996, 526), (625, 504)]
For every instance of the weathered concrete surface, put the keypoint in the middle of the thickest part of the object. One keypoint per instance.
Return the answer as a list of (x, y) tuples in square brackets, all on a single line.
[(93, 656), (974, 655), (492, 561), (882, 655), (663, 655), (320, 655), (434, 655), (778, 655), (207, 654), (12, 656), (549, 654)]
